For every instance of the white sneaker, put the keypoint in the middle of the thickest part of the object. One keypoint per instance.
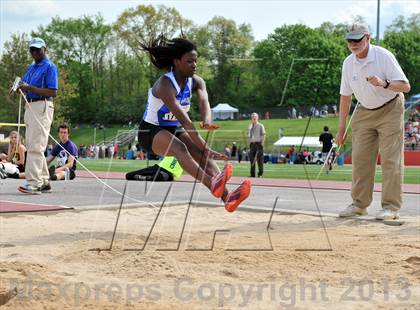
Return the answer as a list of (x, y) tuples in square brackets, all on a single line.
[(352, 210), (386, 214)]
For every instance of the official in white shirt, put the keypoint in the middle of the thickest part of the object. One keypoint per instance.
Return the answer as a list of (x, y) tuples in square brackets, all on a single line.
[(373, 75)]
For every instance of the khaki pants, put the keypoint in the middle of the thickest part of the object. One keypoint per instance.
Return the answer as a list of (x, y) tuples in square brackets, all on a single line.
[(378, 130), (38, 118)]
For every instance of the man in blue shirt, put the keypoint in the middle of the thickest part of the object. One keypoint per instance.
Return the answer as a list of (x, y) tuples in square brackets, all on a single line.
[(40, 84)]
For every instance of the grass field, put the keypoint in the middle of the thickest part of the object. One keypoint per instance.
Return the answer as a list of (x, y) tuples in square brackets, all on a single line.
[(229, 131), (276, 171)]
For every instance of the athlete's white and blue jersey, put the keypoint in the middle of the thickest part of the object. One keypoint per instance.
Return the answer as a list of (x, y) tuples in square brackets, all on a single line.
[(157, 113)]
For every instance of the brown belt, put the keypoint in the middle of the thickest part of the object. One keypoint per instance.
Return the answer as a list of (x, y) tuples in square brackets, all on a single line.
[(380, 107)]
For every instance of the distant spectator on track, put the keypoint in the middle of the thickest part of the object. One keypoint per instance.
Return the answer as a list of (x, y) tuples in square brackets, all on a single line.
[(326, 138), (256, 135)]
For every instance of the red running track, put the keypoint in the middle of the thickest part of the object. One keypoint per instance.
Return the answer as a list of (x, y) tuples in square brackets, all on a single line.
[(11, 207)]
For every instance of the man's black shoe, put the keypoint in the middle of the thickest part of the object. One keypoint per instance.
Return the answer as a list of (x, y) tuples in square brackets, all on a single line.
[(46, 188)]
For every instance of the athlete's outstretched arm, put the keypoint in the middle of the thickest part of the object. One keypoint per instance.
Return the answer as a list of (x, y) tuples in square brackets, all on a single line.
[(203, 103), (203, 99)]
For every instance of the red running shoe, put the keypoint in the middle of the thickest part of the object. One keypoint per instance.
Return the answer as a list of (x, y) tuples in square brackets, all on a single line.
[(218, 182), (234, 198)]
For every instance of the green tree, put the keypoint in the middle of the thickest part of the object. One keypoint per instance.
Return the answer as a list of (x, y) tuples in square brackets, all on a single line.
[(402, 38), (335, 30), (302, 44), (128, 86), (226, 48), (67, 90), (13, 62), (145, 23), (80, 44)]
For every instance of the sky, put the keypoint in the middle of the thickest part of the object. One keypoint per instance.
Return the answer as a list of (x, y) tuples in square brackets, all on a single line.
[(18, 16)]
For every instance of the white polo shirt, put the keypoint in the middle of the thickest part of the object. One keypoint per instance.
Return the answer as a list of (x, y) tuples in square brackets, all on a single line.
[(379, 62)]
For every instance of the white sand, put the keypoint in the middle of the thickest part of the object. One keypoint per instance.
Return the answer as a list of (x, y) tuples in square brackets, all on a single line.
[(45, 262)]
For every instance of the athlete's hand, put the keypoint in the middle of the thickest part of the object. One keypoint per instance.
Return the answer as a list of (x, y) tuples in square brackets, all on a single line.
[(215, 155), (209, 127), (341, 137)]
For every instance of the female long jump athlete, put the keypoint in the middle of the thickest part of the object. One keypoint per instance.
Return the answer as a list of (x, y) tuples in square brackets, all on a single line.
[(167, 105)]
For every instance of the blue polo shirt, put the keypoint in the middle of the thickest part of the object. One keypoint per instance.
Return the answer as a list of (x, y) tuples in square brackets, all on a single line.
[(43, 75)]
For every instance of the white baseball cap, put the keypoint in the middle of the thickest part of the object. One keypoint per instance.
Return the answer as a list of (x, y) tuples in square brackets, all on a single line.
[(356, 31), (37, 42)]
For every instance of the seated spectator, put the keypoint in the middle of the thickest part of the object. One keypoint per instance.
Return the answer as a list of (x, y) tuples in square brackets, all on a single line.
[(66, 153), (412, 133), (290, 152), (307, 155), (16, 155), (300, 159), (413, 141)]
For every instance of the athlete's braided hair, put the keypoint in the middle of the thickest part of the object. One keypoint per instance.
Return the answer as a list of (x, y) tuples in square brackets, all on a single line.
[(162, 51)]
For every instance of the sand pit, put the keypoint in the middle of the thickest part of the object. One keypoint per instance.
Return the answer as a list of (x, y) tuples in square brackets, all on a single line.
[(45, 261)]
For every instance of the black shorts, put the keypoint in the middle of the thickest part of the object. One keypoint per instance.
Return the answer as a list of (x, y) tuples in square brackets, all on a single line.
[(21, 168), (148, 131)]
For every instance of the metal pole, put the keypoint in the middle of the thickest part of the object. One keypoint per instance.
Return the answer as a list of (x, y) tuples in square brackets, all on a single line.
[(118, 216), (290, 72), (287, 82), (94, 136), (377, 22)]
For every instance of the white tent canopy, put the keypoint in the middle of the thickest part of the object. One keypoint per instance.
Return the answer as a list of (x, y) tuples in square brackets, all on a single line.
[(223, 111), (296, 141)]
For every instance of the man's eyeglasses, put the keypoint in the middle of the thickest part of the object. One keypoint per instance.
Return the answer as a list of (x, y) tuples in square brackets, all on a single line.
[(355, 40)]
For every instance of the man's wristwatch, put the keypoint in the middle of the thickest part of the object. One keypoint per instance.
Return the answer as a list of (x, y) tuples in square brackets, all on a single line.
[(387, 83)]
